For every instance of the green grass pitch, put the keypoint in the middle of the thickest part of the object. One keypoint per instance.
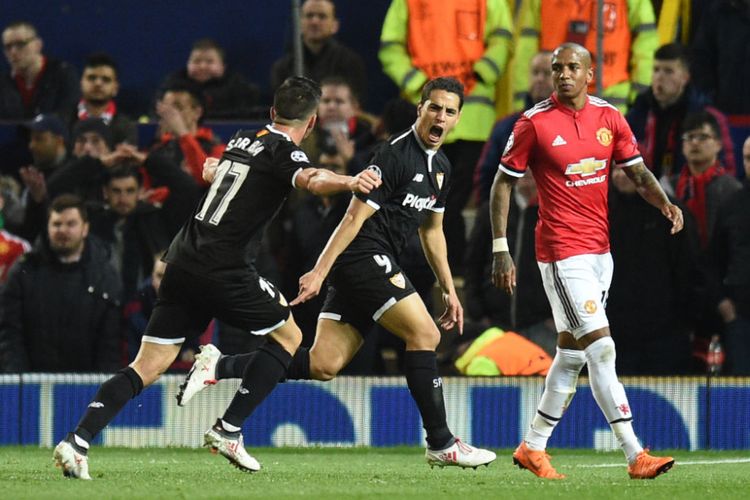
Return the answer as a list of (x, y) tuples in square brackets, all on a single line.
[(333, 473)]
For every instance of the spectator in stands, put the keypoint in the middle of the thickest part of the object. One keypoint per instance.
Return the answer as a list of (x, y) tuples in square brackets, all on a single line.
[(99, 87), (182, 140), (47, 146), (657, 114), (134, 230), (630, 39), (36, 83), (11, 247), (226, 94), (540, 88), (722, 61), (341, 130), (322, 54), (704, 184), (467, 40), (527, 311), (60, 307), (731, 253), (651, 325)]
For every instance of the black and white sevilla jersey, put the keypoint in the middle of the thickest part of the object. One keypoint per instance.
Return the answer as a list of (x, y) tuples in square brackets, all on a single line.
[(415, 181), (255, 175)]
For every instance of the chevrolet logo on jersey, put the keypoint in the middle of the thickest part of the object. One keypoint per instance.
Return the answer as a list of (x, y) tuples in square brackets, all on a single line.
[(585, 167)]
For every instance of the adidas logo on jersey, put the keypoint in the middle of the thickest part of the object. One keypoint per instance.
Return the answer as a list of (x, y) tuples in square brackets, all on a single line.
[(559, 141)]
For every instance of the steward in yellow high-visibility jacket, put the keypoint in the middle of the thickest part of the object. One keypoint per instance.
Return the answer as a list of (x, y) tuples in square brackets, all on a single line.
[(630, 40), (469, 40)]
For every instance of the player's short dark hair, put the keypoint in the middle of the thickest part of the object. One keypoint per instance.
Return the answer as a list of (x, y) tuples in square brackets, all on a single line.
[(122, 171), (99, 59), (209, 44), (447, 83), (66, 201), (673, 52), (296, 99), (696, 120)]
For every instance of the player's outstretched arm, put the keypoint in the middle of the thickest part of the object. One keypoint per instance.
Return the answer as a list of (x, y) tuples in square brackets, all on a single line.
[(650, 190), (436, 252), (503, 269), (321, 181), (356, 215)]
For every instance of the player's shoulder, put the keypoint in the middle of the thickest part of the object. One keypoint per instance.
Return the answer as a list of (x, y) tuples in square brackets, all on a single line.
[(539, 109), (603, 105)]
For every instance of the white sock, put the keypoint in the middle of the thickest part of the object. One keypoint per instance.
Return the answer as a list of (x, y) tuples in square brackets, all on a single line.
[(80, 441), (229, 427), (559, 388), (610, 394)]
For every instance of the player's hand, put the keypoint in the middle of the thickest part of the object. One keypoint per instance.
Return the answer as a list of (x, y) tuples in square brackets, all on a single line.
[(309, 287), (503, 272), (209, 169), (364, 182), (454, 313), (674, 214)]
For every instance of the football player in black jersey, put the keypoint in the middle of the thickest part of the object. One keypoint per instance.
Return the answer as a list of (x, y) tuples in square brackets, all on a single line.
[(210, 274), (366, 283)]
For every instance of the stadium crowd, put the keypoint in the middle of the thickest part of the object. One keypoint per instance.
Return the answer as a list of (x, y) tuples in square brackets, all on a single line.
[(85, 222)]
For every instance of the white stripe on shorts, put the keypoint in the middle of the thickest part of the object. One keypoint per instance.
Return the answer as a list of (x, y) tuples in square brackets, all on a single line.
[(384, 308), (159, 340), (269, 329), (331, 316)]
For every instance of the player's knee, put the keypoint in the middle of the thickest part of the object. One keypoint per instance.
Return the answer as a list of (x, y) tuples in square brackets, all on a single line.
[(324, 369), (425, 339)]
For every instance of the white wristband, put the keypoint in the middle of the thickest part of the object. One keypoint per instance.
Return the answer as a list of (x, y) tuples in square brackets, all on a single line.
[(500, 245)]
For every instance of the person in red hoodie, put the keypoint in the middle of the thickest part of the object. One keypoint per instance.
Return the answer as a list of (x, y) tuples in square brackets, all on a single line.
[(182, 139)]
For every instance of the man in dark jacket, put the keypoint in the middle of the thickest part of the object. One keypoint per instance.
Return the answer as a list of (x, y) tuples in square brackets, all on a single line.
[(322, 54), (657, 114), (134, 230), (36, 83), (59, 310)]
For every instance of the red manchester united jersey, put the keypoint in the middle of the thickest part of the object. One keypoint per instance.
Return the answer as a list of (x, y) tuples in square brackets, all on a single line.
[(570, 153)]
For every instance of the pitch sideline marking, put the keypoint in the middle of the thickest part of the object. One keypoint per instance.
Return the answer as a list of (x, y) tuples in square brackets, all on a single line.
[(690, 462)]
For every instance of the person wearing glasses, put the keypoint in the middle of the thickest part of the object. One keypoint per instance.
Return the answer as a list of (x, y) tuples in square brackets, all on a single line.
[(36, 83)]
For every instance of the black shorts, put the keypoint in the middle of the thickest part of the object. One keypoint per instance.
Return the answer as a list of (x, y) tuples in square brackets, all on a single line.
[(360, 292), (187, 302)]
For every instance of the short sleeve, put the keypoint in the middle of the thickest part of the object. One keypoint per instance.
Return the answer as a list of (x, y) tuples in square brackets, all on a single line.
[(290, 161), (625, 152), (386, 166), (515, 158)]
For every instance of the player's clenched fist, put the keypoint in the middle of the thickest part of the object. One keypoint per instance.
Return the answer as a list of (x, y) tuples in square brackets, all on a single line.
[(365, 181)]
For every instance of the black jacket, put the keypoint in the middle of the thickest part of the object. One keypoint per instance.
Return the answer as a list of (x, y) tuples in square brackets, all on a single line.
[(57, 92), (57, 317), (230, 97)]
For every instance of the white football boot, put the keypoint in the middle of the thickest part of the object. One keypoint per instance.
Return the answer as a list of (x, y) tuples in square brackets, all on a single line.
[(72, 463), (218, 441), (201, 375), (459, 454)]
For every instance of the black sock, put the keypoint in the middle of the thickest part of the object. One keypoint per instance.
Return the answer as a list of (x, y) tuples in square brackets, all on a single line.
[(109, 400), (233, 366), (426, 388), (300, 367), (262, 373)]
